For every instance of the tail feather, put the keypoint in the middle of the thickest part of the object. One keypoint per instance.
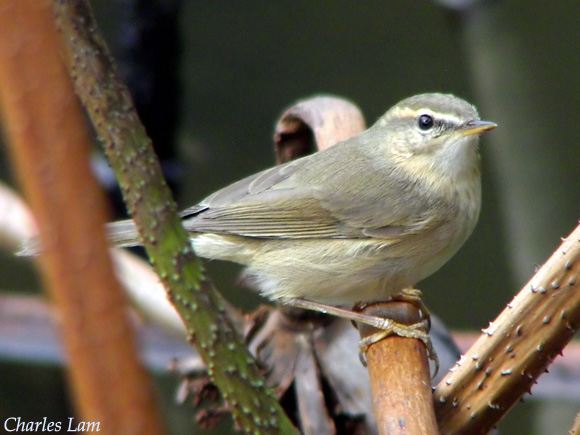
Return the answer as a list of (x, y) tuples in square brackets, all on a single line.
[(29, 248), (122, 234)]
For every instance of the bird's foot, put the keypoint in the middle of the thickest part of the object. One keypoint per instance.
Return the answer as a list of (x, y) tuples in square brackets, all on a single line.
[(418, 331)]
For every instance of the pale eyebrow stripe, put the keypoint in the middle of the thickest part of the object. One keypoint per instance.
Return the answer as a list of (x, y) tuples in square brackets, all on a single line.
[(406, 112)]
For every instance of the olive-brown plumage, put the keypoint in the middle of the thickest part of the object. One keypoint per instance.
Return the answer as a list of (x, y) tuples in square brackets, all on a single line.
[(359, 221)]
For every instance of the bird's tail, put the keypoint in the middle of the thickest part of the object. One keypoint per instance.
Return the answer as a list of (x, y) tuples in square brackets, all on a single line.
[(122, 234), (29, 248)]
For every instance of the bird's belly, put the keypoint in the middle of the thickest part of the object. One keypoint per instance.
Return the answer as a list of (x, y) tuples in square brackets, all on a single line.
[(333, 271)]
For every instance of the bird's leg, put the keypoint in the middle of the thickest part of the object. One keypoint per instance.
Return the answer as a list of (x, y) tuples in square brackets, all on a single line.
[(388, 327), (374, 321)]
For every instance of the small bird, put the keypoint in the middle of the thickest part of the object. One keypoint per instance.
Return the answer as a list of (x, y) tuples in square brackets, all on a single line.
[(358, 222)]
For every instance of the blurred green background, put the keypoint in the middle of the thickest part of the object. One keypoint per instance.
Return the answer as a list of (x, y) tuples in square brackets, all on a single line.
[(244, 62)]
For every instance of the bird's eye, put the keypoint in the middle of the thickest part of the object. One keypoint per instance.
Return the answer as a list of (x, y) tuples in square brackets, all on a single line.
[(425, 122)]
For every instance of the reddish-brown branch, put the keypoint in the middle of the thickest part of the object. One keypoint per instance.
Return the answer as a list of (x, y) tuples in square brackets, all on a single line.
[(50, 146), (399, 373)]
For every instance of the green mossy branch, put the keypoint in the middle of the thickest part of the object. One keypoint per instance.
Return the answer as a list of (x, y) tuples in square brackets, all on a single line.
[(150, 202)]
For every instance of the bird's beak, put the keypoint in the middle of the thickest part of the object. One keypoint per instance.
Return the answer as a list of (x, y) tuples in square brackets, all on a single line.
[(476, 127)]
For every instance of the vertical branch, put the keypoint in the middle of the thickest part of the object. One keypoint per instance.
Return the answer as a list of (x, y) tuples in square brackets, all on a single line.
[(400, 378), (47, 136)]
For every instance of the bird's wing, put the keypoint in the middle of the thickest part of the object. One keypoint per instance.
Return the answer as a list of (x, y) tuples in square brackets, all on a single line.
[(269, 204), (294, 201)]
